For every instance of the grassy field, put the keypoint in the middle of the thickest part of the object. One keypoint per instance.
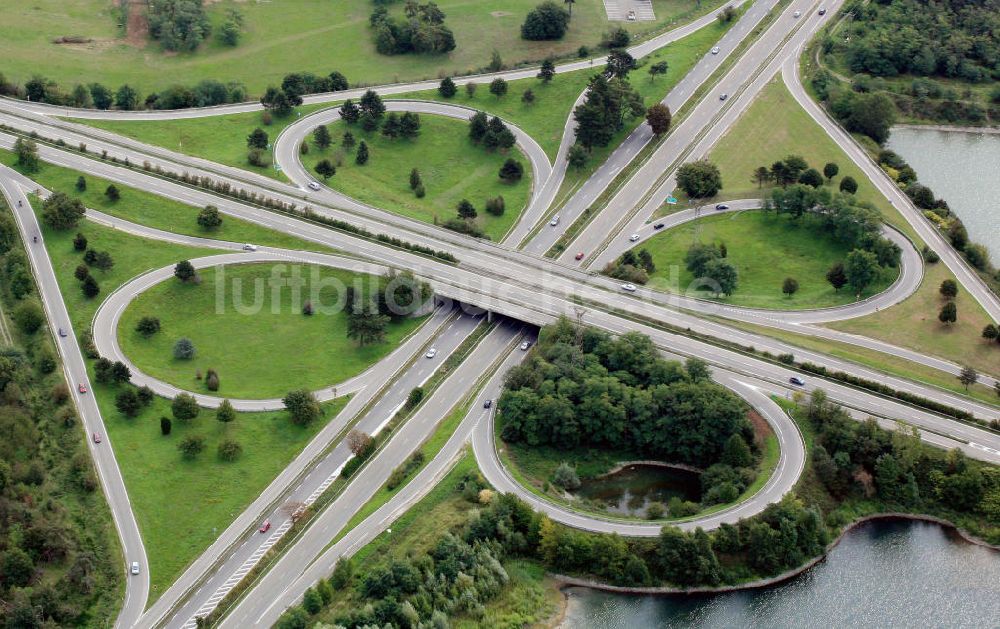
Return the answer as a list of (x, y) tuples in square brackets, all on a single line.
[(765, 248), (181, 505), (260, 355), (451, 167), (529, 598), (914, 324), (771, 129), (287, 36), (156, 211)]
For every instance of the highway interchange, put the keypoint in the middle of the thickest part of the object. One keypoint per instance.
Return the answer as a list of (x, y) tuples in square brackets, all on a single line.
[(499, 278)]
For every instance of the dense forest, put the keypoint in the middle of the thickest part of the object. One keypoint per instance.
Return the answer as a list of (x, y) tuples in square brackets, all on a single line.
[(934, 60), (580, 387), (59, 563)]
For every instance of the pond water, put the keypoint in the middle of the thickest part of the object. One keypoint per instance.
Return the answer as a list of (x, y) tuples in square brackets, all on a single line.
[(961, 168), (883, 574), (631, 490)]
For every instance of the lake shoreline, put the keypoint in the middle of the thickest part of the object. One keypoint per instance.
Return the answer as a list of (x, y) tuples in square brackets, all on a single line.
[(945, 127), (564, 581)]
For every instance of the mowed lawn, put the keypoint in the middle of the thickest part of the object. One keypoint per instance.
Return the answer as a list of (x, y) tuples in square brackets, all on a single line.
[(152, 210), (259, 342), (765, 248), (451, 167), (287, 36), (914, 324), (774, 127)]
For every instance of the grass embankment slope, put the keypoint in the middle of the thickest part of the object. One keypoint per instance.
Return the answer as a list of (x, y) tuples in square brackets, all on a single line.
[(288, 36), (268, 351), (153, 210), (765, 248), (451, 168), (180, 505)]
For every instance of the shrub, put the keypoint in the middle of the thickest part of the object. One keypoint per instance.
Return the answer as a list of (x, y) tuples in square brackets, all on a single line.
[(655, 511), (565, 477), (547, 21), (184, 407), (212, 380), (229, 450), (191, 446), (184, 349), (511, 171)]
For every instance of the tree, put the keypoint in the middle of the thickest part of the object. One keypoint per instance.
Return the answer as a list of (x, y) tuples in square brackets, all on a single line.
[(165, 426), (361, 158), (479, 126), (343, 572), (414, 179), (723, 276), (147, 326), (372, 105), (700, 179), (860, 268), (470, 90), (511, 171), (191, 446), (90, 287), (498, 87), (229, 450), (184, 407), (811, 177), (312, 602), (326, 169), (447, 89), (338, 82), (127, 403), (790, 286), (873, 114), (27, 155), (82, 272), (466, 209), (367, 325), (949, 313), (968, 377), (350, 112), (736, 452), (577, 156), (949, 289), (184, 271), (830, 171), (836, 276), (212, 380), (209, 218), (496, 206), (848, 185), (391, 127), (565, 476), (359, 442), (59, 211), (258, 139), (409, 125), (126, 98), (547, 21), (276, 101), (528, 97), (348, 140), (619, 64), (657, 68), (229, 33), (547, 71), (29, 317), (761, 175), (184, 349), (658, 117), (302, 406), (991, 332), (321, 136), (81, 184)]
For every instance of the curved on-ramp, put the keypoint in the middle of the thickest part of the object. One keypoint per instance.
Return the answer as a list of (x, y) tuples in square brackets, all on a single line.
[(785, 475)]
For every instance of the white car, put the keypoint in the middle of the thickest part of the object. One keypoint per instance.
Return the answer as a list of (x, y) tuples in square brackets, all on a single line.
[(554, 221), (135, 567), (631, 15), (715, 50), (249, 247), (525, 345), (797, 13), (629, 287), (432, 352), (633, 238), (313, 185)]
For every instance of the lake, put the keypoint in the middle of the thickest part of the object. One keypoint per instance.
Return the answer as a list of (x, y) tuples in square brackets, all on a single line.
[(630, 490), (883, 574), (961, 168)]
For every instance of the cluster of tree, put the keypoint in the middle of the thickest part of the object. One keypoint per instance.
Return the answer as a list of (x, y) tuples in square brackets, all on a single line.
[(711, 269), (397, 296), (547, 21), (178, 24), (700, 179), (491, 133), (794, 169), (422, 31), (611, 100), (55, 569), (871, 114), (632, 266), (957, 40), (232, 29), (861, 460), (580, 387), (298, 84)]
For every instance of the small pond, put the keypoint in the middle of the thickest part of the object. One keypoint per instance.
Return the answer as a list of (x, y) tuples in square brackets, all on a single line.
[(630, 490)]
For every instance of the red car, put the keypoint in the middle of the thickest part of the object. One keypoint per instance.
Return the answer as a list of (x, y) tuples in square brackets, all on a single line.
[(81, 388), (97, 438), (579, 256), (265, 527)]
